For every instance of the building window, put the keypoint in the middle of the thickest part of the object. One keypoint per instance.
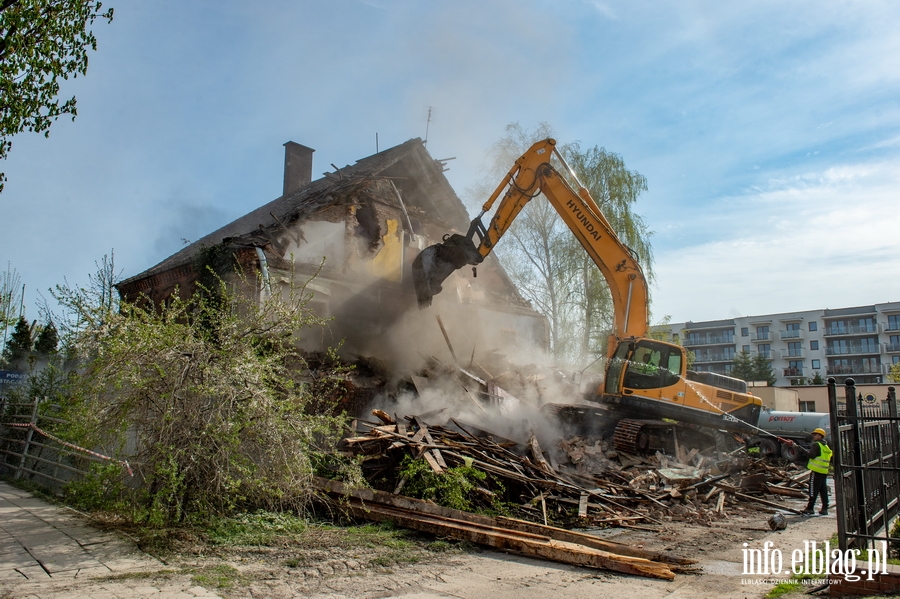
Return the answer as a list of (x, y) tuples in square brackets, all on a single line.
[(745, 331), (813, 326), (745, 348), (840, 347), (794, 349), (894, 322), (896, 359), (792, 326), (764, 349), (807, 406), (869, 345), (816, 364), (814, 344), (762, 332)]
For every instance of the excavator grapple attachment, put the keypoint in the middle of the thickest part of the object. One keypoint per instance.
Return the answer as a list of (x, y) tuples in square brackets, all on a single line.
[(435, 263)]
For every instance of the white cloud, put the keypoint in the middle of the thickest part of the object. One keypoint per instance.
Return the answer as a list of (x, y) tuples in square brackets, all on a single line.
[(816, 240)]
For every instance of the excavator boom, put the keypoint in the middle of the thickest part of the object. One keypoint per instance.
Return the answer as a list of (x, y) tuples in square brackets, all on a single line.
[(531, 175)]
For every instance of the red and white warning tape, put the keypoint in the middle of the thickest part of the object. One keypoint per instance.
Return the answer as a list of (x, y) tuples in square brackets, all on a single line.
[(34, 427)]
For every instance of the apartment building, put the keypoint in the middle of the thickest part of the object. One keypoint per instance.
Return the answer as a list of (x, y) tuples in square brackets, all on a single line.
[(862, 342)]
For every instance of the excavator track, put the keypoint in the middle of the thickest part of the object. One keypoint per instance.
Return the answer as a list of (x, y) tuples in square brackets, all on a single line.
[(633, 435)]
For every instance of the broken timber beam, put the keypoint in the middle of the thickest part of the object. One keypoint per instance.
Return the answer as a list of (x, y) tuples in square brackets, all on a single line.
[(502, 533)]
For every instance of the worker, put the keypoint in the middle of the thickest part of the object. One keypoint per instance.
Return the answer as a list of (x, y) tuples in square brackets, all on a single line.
[(819, 455)]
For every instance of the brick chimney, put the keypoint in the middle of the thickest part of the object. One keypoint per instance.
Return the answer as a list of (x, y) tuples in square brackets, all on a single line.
[(298, 160)]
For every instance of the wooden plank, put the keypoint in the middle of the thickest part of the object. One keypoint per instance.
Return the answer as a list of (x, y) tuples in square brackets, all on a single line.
[(583, 505), (436, 453), (776, 490), (513, 524), (523, 543), (538, 454), (447, 339), (432, 462), (765, 502)]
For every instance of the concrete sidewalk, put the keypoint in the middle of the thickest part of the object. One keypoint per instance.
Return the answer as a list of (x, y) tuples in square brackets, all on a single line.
[(51, 552)]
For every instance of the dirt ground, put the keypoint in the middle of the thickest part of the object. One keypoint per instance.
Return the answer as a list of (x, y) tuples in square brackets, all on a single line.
[(330, 567), (502, 576)]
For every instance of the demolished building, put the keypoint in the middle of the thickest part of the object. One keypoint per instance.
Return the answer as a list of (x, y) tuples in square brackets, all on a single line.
[(351, 237)]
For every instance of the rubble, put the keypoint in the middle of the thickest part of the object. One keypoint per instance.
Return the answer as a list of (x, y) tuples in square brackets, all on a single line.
[(554, 483)]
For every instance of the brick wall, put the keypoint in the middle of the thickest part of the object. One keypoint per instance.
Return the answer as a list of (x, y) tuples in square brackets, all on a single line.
[(887, 583)]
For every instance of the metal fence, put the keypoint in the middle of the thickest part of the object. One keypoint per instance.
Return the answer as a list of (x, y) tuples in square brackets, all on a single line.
[(866, 444), (27, 453)]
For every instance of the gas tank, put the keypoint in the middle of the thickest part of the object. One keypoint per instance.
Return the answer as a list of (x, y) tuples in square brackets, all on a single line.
[(794, 422)]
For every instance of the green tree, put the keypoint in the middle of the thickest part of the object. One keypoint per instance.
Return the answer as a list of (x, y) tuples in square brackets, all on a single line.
[(762, 369), (48, 340), (89, 308), (11, 295), (893, 374), (20, 344), (742, 366), (756, 367), (41, 42), (544, 259)]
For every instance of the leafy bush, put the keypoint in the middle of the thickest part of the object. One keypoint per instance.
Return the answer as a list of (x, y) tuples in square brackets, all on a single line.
[(209, 396), (461, 487), (100, 489)]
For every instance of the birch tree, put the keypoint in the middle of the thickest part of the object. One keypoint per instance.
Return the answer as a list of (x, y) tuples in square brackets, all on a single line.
[(544, 259)]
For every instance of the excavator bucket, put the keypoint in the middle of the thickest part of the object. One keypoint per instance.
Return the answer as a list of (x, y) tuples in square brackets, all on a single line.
[(437, 262)]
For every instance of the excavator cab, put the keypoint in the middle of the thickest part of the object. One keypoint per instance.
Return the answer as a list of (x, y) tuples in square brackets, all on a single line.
[(644, 364)]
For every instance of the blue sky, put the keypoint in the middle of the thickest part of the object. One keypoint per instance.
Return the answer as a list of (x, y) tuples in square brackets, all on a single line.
[(769, 132)]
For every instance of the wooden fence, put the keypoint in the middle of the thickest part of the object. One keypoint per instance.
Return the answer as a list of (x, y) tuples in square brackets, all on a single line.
[(866, 444)]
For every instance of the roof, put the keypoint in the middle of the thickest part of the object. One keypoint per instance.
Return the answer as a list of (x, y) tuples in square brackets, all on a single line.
[(416, 174)]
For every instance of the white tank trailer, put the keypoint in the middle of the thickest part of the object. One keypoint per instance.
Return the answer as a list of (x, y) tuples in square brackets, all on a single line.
[(796, 426)]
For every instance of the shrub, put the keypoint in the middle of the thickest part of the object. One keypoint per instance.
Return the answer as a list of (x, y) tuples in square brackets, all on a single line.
[(210, 398)]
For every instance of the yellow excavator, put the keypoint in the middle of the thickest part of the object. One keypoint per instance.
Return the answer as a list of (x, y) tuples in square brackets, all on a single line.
[(646, 380)]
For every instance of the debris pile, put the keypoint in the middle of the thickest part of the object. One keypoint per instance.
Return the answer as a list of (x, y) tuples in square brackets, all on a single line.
[(581, 481)]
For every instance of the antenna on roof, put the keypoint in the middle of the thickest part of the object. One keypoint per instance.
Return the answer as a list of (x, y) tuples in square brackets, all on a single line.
[(427, 123)]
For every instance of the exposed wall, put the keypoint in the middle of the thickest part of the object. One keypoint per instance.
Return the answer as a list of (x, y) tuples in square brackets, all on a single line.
[(776, 398)]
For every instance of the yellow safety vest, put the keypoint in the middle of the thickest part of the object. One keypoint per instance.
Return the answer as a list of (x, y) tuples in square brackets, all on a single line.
[(820, 463)]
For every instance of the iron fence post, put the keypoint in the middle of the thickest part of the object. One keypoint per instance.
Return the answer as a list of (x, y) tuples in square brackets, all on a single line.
[(836, 439)]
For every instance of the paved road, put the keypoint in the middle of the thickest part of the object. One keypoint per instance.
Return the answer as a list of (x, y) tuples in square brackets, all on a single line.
[(48, 552)]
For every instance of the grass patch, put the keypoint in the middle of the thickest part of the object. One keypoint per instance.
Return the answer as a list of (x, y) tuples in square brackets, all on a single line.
[(259, 528), (221, 576), (790, 586)]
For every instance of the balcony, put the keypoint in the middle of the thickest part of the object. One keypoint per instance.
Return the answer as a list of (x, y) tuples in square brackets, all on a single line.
[(709, 340), (765, 354), (758, 337), (891, 326), (849, 369), (706, 358), (891, 348), (853, 349), (792, 354), (793, 372), (834, 331), (789, 335)]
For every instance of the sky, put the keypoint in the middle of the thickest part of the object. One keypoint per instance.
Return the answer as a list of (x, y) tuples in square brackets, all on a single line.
[(769, 132)]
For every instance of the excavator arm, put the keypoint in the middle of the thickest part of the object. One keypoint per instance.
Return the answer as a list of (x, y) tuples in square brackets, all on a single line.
[(531, 175)]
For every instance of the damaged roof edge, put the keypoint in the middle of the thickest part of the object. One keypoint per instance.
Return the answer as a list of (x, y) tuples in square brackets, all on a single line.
[(430, 180)]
